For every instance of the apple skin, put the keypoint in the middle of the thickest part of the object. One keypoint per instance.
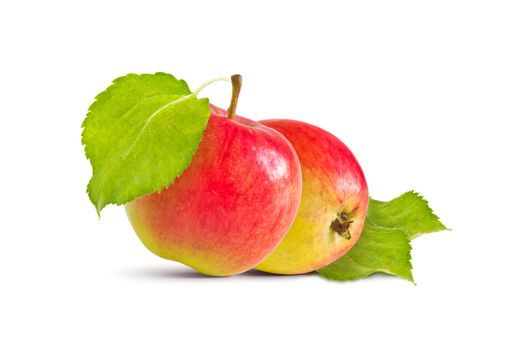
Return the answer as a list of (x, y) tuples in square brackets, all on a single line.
[(334, 193), (233, 204)]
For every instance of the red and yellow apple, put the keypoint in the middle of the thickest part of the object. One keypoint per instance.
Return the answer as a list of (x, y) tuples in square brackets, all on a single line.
[(233, 204), (333, 205)]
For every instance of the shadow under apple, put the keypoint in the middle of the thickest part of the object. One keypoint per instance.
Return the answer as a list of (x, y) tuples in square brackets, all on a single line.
[(162, 273)]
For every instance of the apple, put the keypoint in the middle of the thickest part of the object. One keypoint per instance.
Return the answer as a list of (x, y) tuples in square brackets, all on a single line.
[(333, 205), (233, 204)]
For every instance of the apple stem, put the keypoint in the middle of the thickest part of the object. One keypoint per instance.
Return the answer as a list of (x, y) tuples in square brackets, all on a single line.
[(236, 90)]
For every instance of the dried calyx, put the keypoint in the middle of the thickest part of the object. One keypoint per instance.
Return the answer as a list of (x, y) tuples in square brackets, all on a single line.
[(341, 224)]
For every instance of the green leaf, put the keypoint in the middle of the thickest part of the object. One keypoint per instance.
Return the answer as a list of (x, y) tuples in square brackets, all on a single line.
[(139, 135), (384, 244), (379, 249), (410, 211)]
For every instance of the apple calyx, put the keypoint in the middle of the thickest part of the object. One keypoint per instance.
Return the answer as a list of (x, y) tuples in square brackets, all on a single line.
[(236, 90), (341, 224)]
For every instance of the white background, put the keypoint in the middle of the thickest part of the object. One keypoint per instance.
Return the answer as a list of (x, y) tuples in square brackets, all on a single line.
[(428, 95)]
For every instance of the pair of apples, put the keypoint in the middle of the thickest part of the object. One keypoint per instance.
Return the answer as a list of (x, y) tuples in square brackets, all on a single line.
[(281, 196)]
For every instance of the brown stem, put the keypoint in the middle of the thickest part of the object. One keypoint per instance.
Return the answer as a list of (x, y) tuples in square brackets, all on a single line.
[(236, 90)]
